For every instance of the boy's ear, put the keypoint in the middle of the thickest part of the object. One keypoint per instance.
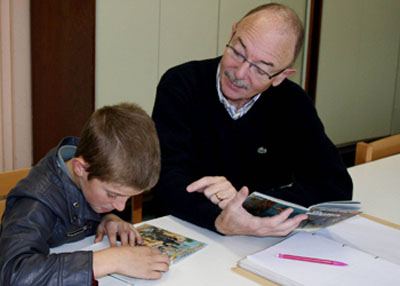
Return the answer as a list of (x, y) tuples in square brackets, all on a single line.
[(79, 166)]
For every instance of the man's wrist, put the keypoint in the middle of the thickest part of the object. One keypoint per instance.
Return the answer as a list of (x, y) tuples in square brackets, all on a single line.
[(219, 225)]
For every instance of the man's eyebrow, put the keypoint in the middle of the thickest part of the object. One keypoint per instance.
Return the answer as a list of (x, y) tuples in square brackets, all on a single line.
[(245, 48), (241, 42)]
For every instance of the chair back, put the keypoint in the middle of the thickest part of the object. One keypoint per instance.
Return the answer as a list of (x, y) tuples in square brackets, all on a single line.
[(137, 208), (7, 181), (366, 152)]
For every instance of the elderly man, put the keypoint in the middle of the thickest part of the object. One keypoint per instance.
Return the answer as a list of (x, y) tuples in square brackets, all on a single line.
[(237, 122)]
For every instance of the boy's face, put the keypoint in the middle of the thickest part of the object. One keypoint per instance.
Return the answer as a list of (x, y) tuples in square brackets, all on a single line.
[(102, 197), (105, 197)]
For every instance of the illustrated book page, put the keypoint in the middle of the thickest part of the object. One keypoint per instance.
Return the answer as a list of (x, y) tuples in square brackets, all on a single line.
[(319, 216)]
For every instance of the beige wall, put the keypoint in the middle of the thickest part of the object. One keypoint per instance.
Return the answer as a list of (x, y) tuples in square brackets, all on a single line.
[(358, 92), (359, 69), (137, 41)]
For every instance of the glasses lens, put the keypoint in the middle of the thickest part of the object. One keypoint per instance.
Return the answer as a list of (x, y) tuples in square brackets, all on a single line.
[(254, 69)]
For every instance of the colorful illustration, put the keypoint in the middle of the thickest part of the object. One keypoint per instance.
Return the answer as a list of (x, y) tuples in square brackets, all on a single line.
[(176, 246), (319, 216)]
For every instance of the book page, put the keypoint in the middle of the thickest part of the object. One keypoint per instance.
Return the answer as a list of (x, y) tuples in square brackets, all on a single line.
[(367, 235), (259, 204), (327, 214), (363, 268)]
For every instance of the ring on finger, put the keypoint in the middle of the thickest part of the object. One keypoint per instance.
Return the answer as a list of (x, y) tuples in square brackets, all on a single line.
[(218, 197)]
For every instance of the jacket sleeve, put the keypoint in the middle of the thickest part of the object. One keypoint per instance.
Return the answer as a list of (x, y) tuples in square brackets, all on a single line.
[(172, 116), (25, 258)]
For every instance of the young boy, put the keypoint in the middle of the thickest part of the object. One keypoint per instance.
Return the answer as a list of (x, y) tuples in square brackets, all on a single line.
[(65, 195)]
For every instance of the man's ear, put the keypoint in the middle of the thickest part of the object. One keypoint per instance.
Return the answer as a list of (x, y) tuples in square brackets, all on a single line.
[(279, 78), (79, 166)]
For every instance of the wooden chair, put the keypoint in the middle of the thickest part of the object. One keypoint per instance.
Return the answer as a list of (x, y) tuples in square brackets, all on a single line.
[(136, 208), (7, 181), (366, 152)]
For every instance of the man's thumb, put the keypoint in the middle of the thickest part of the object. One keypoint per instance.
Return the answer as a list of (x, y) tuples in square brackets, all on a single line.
[(240, 197)]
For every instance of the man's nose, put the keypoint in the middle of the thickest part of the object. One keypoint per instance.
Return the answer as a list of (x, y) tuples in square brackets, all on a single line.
[(242, 70)]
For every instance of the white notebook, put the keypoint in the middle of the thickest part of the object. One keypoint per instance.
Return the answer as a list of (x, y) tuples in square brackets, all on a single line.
[(363, 268)]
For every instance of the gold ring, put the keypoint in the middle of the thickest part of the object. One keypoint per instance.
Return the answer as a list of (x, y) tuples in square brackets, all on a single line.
[(218, 197)]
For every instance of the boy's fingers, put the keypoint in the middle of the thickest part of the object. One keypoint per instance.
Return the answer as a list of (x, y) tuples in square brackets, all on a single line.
[(99, 236)]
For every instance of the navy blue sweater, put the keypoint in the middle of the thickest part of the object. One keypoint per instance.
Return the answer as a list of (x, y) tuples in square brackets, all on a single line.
[(280, 141)]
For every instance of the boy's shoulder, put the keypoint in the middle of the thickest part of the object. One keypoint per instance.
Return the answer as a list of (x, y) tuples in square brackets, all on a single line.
[(46, 182)]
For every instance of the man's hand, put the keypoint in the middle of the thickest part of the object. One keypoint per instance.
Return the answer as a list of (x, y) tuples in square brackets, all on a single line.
[(217, 189), (112, 225), (235, 220)]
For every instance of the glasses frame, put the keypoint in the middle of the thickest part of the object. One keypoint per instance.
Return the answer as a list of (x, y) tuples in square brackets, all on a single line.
[(244, 59)]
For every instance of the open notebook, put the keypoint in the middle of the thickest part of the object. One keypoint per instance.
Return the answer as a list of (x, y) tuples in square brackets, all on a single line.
[(364, 267)]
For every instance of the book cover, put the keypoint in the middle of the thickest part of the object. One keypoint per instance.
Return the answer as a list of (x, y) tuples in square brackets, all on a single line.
[(319, 215), (176, 246)]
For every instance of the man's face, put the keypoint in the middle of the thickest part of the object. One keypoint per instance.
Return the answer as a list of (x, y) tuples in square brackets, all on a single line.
[(262, 42), (105, 197)]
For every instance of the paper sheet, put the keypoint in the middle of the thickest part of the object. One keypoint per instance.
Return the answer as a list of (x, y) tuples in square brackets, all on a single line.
[(367, 235), (363, 268)]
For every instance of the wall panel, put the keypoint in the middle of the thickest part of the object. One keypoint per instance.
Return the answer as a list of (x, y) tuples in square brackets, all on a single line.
[(358, 66), (188, 31), (127, 44)]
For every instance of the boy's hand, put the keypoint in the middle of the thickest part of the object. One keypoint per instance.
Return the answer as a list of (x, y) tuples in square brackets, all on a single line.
[(114, 226), (140, 262)]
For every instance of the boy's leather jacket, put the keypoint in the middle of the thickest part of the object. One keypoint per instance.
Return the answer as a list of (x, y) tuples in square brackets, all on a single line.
[(44, 210)]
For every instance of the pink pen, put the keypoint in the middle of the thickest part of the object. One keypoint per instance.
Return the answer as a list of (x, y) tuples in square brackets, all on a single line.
[(311, 259)]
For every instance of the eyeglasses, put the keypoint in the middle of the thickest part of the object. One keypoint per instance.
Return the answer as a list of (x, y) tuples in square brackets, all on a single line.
[(254, 69)]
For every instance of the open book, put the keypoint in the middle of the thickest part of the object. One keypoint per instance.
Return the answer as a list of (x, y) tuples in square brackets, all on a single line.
[(319, 215), (363, 267)]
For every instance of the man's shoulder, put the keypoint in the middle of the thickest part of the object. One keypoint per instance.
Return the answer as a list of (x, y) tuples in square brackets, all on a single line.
[(193, 68), (288, 85), (290, 92)]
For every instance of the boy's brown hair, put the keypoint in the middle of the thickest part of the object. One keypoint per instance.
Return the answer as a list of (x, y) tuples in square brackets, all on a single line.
[(121, 146)]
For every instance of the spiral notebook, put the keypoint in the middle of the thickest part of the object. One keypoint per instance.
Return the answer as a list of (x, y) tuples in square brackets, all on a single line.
[(364, 268)]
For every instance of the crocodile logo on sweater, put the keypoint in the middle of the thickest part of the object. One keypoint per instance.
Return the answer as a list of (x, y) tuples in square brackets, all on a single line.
[(262, 150)]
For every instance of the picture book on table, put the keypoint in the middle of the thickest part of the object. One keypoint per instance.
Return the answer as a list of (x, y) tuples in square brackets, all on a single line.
[(319, 216), (176, 246)]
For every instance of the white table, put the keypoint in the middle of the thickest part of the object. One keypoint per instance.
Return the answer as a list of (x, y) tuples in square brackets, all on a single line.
[(377, 187), (212, 265)]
